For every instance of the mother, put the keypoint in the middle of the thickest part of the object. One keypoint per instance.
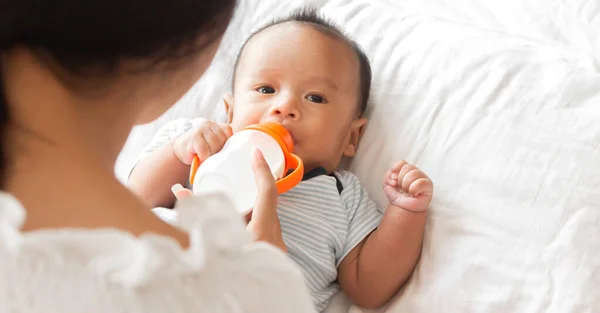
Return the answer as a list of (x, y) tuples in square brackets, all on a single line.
[(75, 77)]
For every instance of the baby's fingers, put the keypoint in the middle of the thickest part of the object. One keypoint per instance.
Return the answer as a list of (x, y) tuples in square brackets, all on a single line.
[(390, 178), (226, 129), (199, 146), (421, 187), (398, 165), (404, 170), (411, 176), (393, 177), (221, 131), (215, 138)]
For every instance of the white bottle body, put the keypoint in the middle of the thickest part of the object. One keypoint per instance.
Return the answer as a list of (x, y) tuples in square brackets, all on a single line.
[(230, 171)]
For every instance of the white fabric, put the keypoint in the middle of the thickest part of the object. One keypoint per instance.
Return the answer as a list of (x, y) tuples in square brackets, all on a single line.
[(499, 102), (107, 270)]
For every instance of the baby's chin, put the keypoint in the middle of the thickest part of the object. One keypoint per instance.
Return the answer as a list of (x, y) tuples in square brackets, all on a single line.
[(312, 159), (309, 162), (306, 159)]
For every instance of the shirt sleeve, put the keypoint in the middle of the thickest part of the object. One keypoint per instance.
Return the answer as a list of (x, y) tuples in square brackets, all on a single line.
[(166, 134), (363, 214)]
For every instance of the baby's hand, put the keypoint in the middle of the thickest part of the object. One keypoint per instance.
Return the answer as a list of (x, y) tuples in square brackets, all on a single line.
[(407, 187), (203, 141)]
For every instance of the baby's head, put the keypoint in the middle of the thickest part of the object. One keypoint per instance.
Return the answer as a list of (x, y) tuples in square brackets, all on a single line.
[(302, 72)]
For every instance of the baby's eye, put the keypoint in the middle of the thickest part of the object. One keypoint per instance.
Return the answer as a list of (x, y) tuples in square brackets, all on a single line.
[(265, 89), (316, 99)]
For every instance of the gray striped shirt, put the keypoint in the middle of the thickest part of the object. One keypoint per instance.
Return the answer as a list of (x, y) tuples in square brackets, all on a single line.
[(321, 226)]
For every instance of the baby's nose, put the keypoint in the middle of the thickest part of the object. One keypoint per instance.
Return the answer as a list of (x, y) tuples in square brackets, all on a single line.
[(286, 110), (285, 113)]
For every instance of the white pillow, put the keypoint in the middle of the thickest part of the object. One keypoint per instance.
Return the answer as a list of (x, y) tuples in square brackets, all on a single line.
[(499, 102), (508, 128)]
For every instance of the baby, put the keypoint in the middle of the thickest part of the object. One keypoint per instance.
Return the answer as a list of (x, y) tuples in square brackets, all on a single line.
[(304, 73)]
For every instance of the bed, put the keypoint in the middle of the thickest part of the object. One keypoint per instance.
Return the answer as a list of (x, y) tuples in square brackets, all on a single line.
[(499, 102)]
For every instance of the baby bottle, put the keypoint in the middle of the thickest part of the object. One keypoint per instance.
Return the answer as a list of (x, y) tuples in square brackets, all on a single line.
[(229, 171)]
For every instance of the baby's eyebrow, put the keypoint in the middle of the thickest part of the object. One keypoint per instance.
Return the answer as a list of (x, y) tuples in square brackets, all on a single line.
[(310, 78), (324, 80)]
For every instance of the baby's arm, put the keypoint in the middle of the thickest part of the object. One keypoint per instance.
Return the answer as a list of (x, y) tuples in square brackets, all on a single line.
[(169, 164), (153, 176), (376, 268)]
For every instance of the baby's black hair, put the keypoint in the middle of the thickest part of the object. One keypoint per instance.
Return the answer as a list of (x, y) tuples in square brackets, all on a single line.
[(311, 17)]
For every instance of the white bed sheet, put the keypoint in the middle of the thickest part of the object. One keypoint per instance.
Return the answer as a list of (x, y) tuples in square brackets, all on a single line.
[(500, 103)]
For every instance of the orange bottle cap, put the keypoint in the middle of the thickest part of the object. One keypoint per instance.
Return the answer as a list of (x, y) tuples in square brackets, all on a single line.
[(278, 132)]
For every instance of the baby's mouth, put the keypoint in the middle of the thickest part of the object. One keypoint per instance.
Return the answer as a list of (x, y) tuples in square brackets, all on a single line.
[(293, 139)]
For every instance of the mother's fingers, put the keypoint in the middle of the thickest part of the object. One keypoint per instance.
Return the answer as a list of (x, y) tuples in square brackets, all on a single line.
[(180, 192), (266, 201)]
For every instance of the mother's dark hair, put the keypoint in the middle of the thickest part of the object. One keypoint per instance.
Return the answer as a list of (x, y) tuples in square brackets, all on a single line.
[(88, 38)]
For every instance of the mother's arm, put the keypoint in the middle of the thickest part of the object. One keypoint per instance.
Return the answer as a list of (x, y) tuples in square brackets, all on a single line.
[(248, 276)]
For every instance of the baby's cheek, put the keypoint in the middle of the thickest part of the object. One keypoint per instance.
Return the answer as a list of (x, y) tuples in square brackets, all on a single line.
[(319, 148), (244, 121)]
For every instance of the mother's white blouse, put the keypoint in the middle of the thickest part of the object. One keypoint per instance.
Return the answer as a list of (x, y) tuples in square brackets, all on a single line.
[(108, 270)]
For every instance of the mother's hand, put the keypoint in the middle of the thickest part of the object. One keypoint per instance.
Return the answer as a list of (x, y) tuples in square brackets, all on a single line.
[(264, 222)]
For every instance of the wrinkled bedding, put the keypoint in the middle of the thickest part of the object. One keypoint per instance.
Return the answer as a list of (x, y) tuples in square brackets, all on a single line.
[(499, 102)]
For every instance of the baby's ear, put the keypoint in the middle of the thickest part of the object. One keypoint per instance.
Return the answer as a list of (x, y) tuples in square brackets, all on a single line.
[(356, 130), (228, 102)]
